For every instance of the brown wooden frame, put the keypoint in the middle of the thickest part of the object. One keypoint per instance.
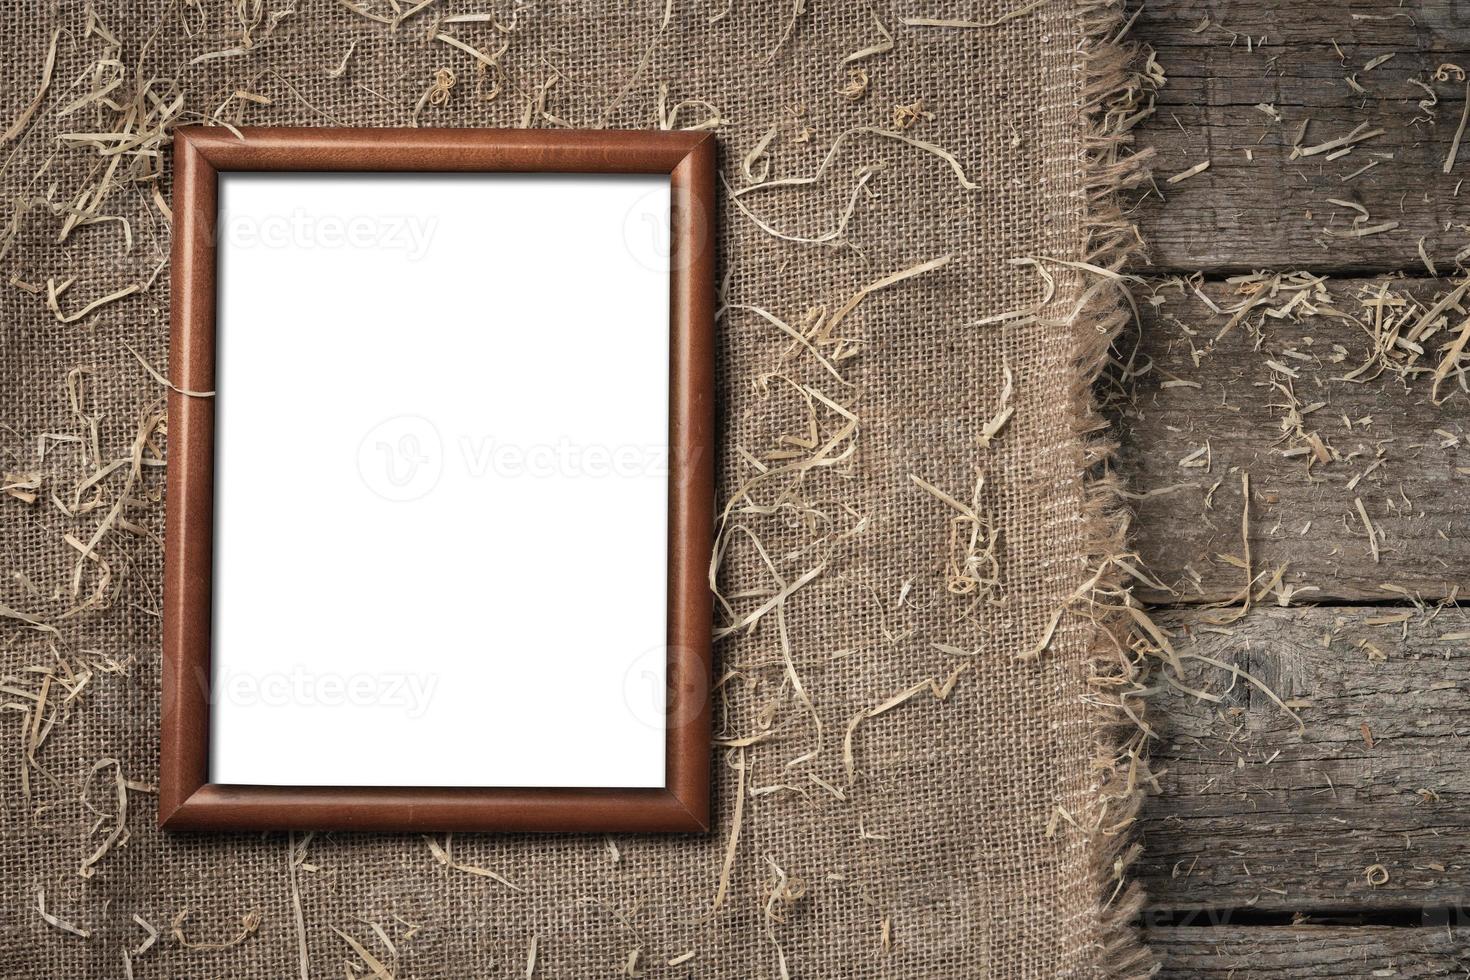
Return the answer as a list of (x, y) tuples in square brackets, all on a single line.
[(187, 800)]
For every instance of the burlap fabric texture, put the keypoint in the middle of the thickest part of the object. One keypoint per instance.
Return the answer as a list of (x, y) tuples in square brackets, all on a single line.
[(971, 828)]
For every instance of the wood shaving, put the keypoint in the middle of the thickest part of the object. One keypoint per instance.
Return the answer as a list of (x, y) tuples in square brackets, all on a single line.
[(857, 84), (19, 125), (881, 47), (54, 921), (444, 854), (972, 24), (249, 923), (379, 970)]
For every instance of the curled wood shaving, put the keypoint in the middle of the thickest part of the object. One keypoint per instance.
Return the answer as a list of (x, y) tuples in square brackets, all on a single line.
[(341, 68), (642, 65), (120, 818), (927, 147), (833, 237), (972, 24), (973, 565), (1450, 360), (445, 855), (128, 955), (758, 153), (668, 116), (161, 379), (152, 418), (249, 922), (905, 116), (439, 91), (53, 292), (939, 689), (787, 892)]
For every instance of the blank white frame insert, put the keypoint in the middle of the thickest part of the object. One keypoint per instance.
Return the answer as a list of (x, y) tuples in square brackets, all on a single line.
[(441, 480)]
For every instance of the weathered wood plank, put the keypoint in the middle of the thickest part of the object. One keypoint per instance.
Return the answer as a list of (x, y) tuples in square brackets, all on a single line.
[(1268, 953), (1363, 807), (1209, 411), (1428, 25), (1259, 205)]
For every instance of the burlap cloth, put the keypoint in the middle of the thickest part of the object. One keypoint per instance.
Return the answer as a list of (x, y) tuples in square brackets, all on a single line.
[(979, 834)]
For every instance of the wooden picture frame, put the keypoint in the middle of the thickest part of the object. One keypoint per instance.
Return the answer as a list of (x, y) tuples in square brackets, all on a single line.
[(188, 800)]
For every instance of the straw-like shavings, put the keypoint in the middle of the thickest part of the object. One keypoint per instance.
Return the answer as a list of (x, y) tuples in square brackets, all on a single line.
[(129, 955), (642, 65), (940, 689), (798, 7), (56, 922), (842, 137), (1449, 160), (444, 854), (249, 923), (990, 431), (19, 125), (972, 24), (889, 280), (974, 568), (295, 859), (832, 237), (53, 293), (1368, 527), (1451, 360), (668, 116), (153, 373), (379, 970), (119, 818), (881, 47), (736, 820)]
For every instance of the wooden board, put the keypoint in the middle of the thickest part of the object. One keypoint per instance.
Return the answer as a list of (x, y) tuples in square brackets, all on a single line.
[(1231, 396), (1364, 806), (1269, 953), (1361, 813), (1261, 206)]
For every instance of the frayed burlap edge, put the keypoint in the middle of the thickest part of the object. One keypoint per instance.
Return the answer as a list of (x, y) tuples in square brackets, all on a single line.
[(1114, 93)]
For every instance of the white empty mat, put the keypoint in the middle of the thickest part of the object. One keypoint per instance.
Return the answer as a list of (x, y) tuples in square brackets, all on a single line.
[(441, 480)]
